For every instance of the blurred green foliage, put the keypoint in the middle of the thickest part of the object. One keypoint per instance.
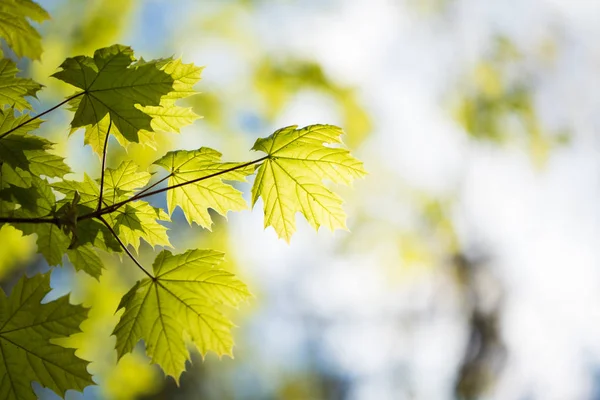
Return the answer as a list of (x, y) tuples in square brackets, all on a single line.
[(497, 103), (279, 81)]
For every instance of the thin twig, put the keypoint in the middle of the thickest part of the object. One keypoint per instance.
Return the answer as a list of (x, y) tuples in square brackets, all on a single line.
[(165, 189), (41, 115), (154, 184), (103, 166), (125, 248), (143, 194)]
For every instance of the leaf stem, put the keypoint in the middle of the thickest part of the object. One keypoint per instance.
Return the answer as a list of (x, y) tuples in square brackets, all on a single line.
[(125, 248), (146, 193), (103, 166), (41, 115), (151, 193), (155, 184)]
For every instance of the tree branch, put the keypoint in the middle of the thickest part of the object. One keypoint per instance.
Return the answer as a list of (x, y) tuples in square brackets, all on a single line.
[(40, 220), (146, 193), (155, 184), (103, 166), (41, 115), (125, 248)]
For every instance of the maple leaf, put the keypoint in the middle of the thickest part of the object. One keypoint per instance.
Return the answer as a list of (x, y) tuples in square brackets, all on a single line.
[(290, 180), (52, 242), (26, 152), (27, 351), (14, 145), (196, 198), (122, 181), (132, 222), (85, 258), (42, 163), (137, 97), (12, 89), (88, 191), (138, 220), (26, 197), (183, 297), (93, 232), (15, 176), (16, 30)]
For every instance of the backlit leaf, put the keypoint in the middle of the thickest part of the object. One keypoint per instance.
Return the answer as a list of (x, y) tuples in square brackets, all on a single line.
[(290, 180), (196, 198), (137, 96), (16, 30), (182, 299), (13, 90), (27, 351)]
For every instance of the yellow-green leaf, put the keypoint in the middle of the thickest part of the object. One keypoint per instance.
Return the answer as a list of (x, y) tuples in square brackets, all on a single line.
[(16, 30), (290, 180), (182, 298), (196, 198), (122, 181), (139, 220), (13, 90), (88, 191)]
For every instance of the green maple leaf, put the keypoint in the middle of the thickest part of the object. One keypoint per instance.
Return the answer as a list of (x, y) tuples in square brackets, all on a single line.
[(14, 145), (138, 97), (183, 297), (196, 198), (88, 190), (42, 163), (28, 152), (45, 201), (27, 198), (15, 176), (93, 232), (52, 242), (85, 258), (118, 183), (133, 221), (16, 30), (12, 89), (139, 220), (27, 332), (39, 163), (122, 181), (291, 179)]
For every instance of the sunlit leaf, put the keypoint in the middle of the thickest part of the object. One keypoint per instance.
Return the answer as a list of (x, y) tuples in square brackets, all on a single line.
[(16, 30), (196, 198), (290, 180), (139, 220), (181, 299), (13, 90), (137, 96)]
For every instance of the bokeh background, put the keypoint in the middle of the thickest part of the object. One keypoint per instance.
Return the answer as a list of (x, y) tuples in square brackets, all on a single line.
[(472, 269)]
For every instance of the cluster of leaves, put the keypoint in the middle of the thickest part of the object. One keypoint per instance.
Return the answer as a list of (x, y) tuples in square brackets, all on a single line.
[(131, 100)]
